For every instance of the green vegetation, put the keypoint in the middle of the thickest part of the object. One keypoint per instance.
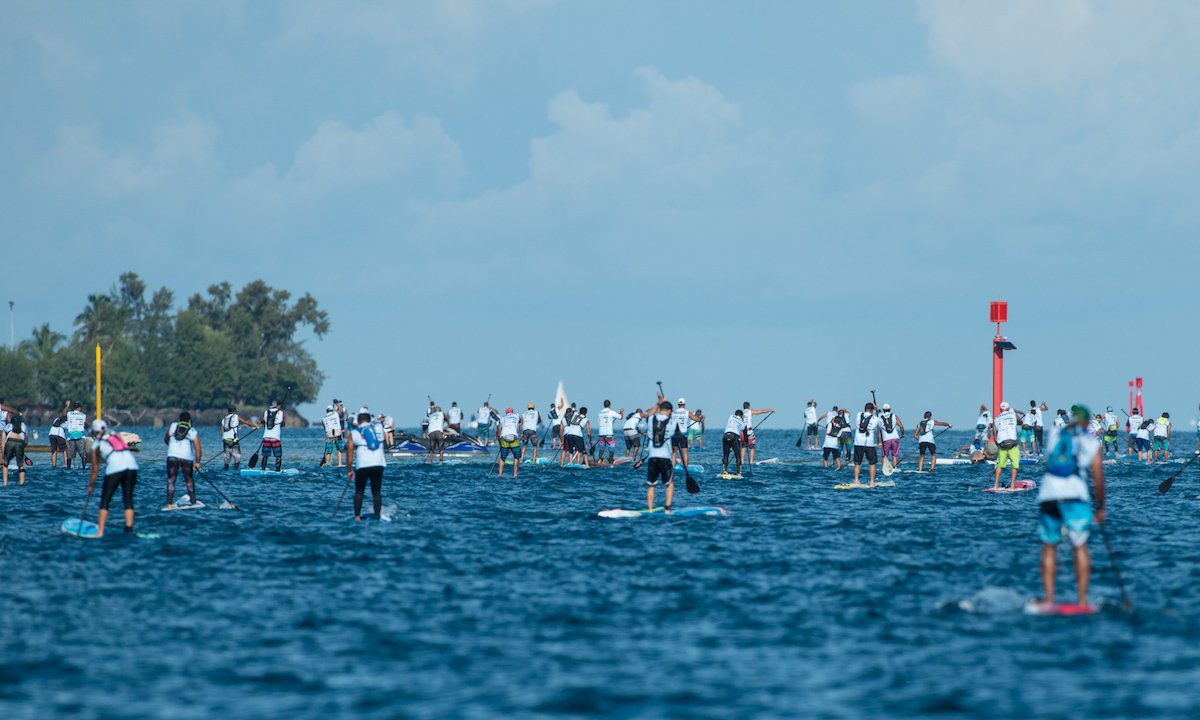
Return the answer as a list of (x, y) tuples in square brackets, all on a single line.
[(223, 348)]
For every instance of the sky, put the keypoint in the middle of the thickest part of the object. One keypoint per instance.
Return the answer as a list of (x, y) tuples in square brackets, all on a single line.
[(768, 202)]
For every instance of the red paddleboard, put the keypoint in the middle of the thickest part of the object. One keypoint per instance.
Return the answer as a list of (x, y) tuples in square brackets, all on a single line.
[(1022, 486), (1033, 608)]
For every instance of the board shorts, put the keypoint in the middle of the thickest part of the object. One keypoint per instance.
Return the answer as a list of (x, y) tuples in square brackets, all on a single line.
[(693, 434), (606, 441), (58, 444), (76, 447), (437, 440), (870, 453), (575, 443), (1074, 515), (1011, 456), (828, 452), (509, 447), (810, 429), (483, 431), (1160, 444), (1026, 435), (929, 447), (1038, 433), (1110, 437), (528, 436), (231, 451), (891, 447), (272, 448), (1143, 445), (632, 440), (332, 446), (659, 469), (680, 442), (747, 439)]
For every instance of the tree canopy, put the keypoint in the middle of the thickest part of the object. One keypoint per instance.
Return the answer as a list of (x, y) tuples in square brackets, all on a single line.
[(222, 348)]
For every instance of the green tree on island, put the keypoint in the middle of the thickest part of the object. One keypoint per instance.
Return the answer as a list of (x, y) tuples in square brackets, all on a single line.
[(223, 348)]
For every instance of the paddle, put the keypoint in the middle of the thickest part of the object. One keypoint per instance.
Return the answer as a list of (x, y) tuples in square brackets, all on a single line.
[(1125, 603), (214, 457), (349, 479), (910, 452), (254, 457), (214, 487), (83, 514), (495, 461), (1165, 485), (692, 486)]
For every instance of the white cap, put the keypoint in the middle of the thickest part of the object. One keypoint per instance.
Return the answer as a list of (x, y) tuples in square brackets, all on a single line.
[(1003, 406), (682, 401), (363, 411), (887, 406), (99, 425), (328, 408)]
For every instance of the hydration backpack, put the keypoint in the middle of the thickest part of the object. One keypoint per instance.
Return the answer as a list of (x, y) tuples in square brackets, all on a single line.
[(271, 415), (864, 422), (15, 420), (659, 428), (1060, 461), (116, 442), (181, 429), (923, 427), (1146, 424), (888, 423), (368, 434)]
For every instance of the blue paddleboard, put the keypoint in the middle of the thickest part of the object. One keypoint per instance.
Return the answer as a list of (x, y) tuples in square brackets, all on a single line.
[(691, 468), (658, 511), (258, 472), (81, 528)]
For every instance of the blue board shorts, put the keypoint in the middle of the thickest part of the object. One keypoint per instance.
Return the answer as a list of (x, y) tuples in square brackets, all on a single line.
[(1026, 435), (1160, 444), (1074, 515), (1143, 445)]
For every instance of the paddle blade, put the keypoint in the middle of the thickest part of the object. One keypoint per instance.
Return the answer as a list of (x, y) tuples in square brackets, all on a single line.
[(253, 460), (1165, 485), (800, 441), (888, 469), (692, 487)]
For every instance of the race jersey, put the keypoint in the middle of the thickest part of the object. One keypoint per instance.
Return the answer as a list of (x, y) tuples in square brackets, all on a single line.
[(115, 461), (1110, 422), (437, 422), (273, 433), (735, 425), (865, 439), (1006, 426), (181, 449), (748, 421), (455, 415), (661, 430), (364, 456), (927, 436), (632, 424), (984, 419), (1037, 417), (1074, 486), (606, 418), (680, 416), (1137, 421), (485, 415), (229, 426), (1162, 426), (831, 440), (555, 420), (1058, 421), (508, 426), (1027, 421), (886, 419), (529, 421), (76, 424), (810, 415), (57, 428), (1095, 427), (8, 428), (572, 427), (333, 425)]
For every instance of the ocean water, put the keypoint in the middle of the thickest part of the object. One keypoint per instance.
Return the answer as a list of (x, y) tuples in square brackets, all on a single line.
[(488, 598)]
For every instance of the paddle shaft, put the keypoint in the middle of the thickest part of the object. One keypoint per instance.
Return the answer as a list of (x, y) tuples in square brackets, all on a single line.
[(1116, 571), (83, 514), (918, 447), (214, 457), (349, 479), (214, 487), (1165, 485)]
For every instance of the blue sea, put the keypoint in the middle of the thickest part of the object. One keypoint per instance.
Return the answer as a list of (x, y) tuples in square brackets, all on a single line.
[(489, 597)]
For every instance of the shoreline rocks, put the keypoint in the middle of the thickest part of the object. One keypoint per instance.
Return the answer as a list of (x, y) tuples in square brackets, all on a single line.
[(161, 417)]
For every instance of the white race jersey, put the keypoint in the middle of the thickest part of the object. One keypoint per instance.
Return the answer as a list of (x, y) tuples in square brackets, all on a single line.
[(810, 415), (333, 424), (364, 456), (1162, 426), (680, 416), (865, 439), (76, 424), (631, 425), (1006, 426), (668, 428), (885, 419), (508, 426), (437, 422), (273, 433), (485, 415), (735, 425), (455, 415), (229, 426), (529, 421), (927, 436), (606, 418)]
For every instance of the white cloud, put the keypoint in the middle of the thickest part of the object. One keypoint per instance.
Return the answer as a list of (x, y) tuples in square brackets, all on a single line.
[(177, 151), (386, 152)]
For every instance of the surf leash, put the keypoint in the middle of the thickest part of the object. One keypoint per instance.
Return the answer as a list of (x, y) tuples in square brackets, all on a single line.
[(1165, 485)]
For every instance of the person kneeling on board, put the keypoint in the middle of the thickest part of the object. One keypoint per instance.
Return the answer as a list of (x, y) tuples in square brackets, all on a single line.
[(183, 455), (508, 437), (731, 441), (365, 461), (1072, 454), (660, 467), (120, 471), (866, 428)]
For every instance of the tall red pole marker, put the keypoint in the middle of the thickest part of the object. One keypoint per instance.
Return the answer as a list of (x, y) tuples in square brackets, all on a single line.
[(998, 314)]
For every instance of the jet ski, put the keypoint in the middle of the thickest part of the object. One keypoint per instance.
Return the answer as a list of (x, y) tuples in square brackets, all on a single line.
[(407, 445)]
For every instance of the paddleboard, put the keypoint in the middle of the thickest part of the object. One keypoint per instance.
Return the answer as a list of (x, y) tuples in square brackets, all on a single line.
[(81, 528), (766, 462), (1022, 486), (147, 536), (540, 461), (577, 466), (193, 506), (257, 472), (865, 486), (681, 512), (1024, 461), (691, 468), (729, 476), (1032, 608)]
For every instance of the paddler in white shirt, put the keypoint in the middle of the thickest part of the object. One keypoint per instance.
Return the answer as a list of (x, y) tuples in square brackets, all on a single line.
[(437, 435), (529, 428), (607, 441), (508, 437), (455, 416), (731, 441)]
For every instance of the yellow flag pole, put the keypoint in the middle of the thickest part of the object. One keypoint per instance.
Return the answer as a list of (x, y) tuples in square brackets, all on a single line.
[(97, 381)]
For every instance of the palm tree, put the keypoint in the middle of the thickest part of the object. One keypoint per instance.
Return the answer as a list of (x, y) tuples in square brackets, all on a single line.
[(42, 346)]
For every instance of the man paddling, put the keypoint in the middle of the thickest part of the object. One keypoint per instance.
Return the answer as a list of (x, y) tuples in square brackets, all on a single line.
[(1162, 437), (830, 449), (633, 432), (679, 441), (437, 434), (120, 471), (365, 461), (530, 421), (810, 425), (1007, 452), (334, 436), (925, 438), (508, 437), (58, 437), (1111, 428), (866, 428), (1064, 503), (76, 428), (607, 441), (455, 416), (483, 424), (16, 436), (748, 432), (660, 465), (731, 441), (892, 430), (231, 445), (183, 457), (272, 442)]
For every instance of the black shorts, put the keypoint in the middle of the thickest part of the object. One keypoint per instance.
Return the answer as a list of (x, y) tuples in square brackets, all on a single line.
[(1037, 433), (930, 447), (870, 453), (632, 440), (15, 449), (679, 442), (58, 444), (575, 443), (810, 429), (828, 452), (125, 480), (659, 469)]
